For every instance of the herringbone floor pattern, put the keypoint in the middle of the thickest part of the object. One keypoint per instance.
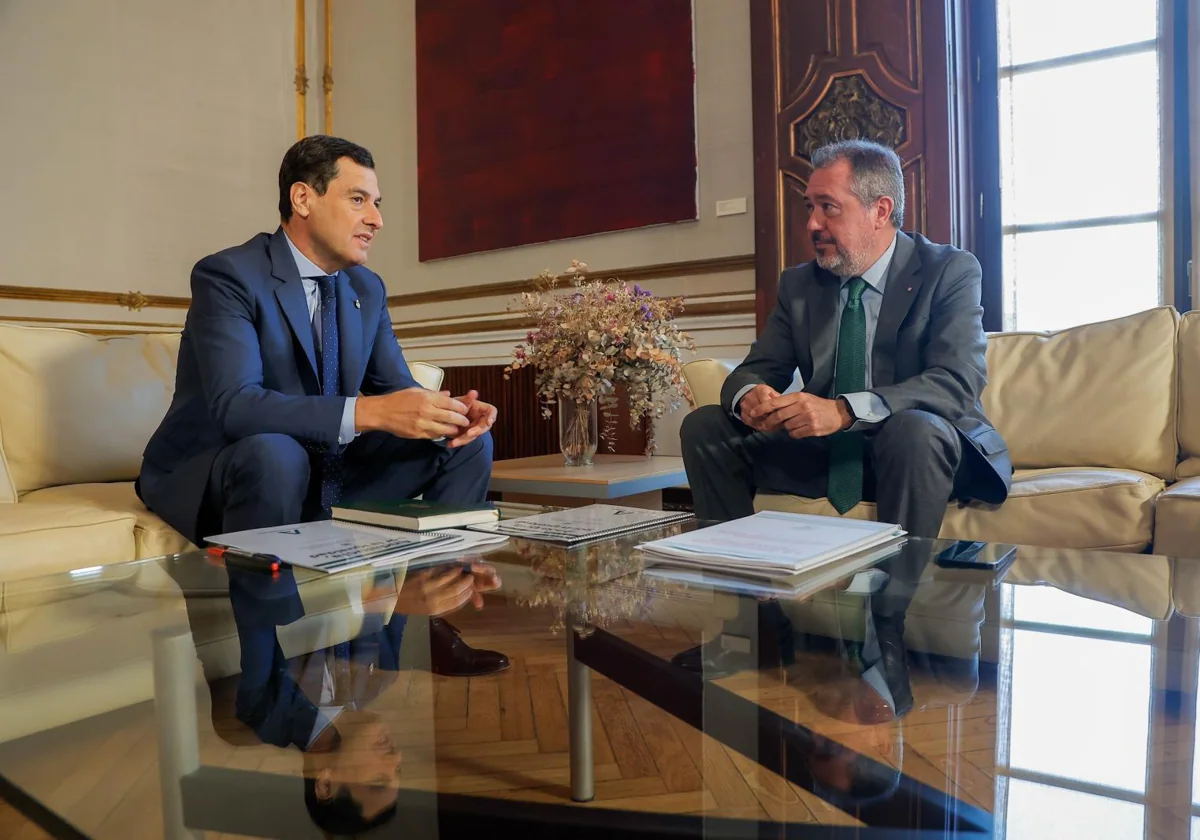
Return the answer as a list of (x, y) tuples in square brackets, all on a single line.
[(505, 736)]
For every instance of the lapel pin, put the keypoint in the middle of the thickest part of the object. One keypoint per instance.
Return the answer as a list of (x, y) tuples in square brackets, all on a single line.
[(908, 289), (358, 305)]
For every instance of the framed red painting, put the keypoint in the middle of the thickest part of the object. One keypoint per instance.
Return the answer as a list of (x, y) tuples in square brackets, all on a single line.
[(541, 120)]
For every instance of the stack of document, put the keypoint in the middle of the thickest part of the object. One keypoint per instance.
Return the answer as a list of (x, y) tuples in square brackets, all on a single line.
[(331, 546), (853, 570), (575, 526), (776, 545)]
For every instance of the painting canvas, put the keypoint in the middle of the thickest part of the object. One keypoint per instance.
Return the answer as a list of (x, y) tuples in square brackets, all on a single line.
[(541, 120)]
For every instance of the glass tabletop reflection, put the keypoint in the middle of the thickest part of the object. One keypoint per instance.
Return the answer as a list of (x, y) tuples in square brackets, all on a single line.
[(174, 695)]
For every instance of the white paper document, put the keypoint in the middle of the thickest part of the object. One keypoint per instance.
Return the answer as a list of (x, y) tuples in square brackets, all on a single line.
[(783, 586), (773, 544), (591, 522), (331, 546), (466, 542)]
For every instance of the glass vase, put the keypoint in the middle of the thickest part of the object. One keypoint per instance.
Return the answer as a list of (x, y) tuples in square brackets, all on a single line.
[(578, 430)]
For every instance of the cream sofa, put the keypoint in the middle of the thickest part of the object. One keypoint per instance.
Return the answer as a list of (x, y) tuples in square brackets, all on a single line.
[(76, 414), (1103, 423)]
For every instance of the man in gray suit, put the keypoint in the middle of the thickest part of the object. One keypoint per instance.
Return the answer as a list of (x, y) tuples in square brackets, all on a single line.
[(886, 331)]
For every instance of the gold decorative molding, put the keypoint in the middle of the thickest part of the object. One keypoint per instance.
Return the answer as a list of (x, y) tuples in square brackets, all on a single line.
[(508, 288), (134, 301), (124, 299), (107, 322), (723, 307), (849, 109), (327, 77), (470, 319), (114, 327), (138, 301), (301, 77)]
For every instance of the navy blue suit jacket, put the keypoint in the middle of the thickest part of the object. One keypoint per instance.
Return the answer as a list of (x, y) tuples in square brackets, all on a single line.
[(247, 366), (280, 710)]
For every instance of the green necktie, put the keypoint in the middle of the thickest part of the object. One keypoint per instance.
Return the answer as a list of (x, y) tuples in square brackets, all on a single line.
[(846, 448)]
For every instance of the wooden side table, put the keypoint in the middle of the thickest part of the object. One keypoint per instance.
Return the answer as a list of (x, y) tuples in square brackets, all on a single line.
[(633, 480)]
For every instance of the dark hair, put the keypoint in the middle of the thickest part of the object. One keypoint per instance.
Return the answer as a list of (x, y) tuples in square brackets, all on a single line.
[(875, 171), (871, 782), (341, 816), (314, 161)]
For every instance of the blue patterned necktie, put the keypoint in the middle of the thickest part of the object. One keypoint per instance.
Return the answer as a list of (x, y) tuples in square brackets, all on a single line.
[(331, 462), (850, 376)]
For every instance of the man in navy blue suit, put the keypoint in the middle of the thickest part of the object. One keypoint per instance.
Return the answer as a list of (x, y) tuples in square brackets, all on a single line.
[(292, 393)]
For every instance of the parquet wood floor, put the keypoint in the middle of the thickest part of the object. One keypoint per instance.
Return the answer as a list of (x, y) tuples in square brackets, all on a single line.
[(505, 736)]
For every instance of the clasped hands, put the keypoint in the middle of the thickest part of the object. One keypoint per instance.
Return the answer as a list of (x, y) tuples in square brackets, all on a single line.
[(426, 415), (443, 590), (437, 591), (801, 415)]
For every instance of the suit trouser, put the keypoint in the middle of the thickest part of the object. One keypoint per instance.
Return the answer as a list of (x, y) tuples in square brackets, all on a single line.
[(266, 480), (913, 465)]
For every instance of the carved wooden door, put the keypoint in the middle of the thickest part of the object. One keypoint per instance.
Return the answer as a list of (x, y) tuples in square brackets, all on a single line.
[(826, 70)]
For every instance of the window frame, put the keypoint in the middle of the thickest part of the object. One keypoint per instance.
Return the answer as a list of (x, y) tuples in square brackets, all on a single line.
[(986, 233)]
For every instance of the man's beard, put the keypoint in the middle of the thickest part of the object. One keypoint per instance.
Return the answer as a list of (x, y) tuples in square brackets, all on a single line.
[(845, 263)]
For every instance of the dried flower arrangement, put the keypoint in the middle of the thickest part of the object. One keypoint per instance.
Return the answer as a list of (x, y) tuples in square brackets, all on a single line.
[(600, 333)]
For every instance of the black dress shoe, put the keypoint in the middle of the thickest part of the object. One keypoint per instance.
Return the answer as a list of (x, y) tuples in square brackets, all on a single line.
[(895, 666), (452, 657), (730, 653), (715, 660), (711, 662)]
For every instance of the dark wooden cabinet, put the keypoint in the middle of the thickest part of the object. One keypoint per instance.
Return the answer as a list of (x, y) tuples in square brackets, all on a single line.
[(826, 70)]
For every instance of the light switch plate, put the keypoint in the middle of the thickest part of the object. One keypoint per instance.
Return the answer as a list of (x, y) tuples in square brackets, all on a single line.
[(731, 207)]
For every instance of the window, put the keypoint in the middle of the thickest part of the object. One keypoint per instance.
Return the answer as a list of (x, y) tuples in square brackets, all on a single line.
[(1081, 160), (1070, 668)]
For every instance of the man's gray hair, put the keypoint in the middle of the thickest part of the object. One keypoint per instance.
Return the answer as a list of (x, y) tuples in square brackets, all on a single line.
[(875, 171)]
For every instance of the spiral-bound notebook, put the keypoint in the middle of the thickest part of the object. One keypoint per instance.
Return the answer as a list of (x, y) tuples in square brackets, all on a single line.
[(583, 524)]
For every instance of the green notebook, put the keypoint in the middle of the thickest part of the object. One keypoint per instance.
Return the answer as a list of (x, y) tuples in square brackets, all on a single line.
[(416, 514)]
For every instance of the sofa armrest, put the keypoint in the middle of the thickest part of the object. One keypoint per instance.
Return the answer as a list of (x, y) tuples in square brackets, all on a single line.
[(427, 375), (704, 379)]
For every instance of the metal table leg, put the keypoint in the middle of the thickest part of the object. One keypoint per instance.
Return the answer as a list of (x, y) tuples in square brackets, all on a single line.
[(178, 738), (579, 699)]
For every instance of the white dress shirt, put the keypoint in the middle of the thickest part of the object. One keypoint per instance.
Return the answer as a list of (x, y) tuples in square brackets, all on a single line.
[(308, 274), (867, 407)]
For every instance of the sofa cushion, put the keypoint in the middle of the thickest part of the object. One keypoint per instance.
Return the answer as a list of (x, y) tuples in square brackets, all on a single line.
[(1185, 585), (87, 405), (944, 618), (1141, 585), (1177, 520), (1189, 395), (74, 646), (1098, 395), (1062, 508), (47, 539), (335, 609), (152, 536)]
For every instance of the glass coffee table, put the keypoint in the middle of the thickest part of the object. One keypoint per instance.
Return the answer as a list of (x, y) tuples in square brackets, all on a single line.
[(173, 697)]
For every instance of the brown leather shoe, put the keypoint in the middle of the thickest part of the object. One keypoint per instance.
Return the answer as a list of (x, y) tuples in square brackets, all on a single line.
[(452, 657)]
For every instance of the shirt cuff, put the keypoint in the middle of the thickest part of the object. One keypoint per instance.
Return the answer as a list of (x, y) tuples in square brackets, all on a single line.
[(347, 432), (737, 398), (325, 718), (867, 407)]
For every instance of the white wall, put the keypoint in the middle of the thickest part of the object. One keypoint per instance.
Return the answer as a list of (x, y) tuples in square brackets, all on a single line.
[(141, 135), (138, 136), (375, 104)]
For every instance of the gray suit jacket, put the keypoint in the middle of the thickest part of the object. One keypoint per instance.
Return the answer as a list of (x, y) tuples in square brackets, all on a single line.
[(929, 351)]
